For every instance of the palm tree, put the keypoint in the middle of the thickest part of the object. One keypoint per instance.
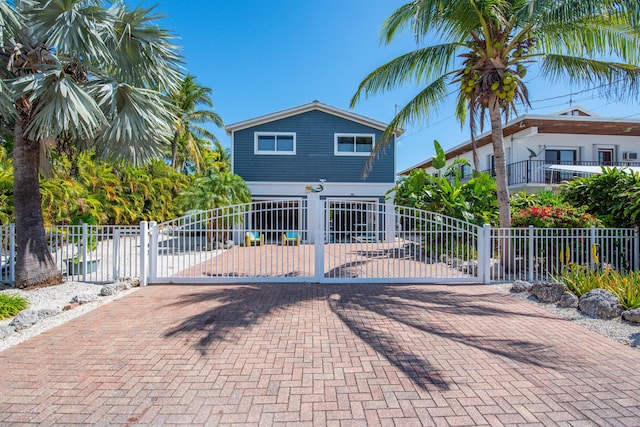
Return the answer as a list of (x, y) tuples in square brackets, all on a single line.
[(215, 190), (188, 135), (79, 72), (486, 48)]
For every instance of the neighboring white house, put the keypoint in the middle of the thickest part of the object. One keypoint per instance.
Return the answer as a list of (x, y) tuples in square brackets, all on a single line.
[(544, 150)]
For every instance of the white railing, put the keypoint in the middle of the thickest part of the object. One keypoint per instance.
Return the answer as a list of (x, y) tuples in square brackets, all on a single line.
[(539, 254), (333, 241), (85, 253)]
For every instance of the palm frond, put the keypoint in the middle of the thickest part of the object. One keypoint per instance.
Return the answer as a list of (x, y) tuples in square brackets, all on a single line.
[(10, 22), (595, 37), (429, 99), (61, 106), (144, 54), (74, 27), (206, 116), (615, 80), (139, 123), (417, 66)]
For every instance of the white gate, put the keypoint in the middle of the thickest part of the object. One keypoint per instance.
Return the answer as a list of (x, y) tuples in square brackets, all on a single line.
[(295, 240)]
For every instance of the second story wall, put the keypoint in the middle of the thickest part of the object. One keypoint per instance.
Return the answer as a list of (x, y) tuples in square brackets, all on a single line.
[(315, 154)]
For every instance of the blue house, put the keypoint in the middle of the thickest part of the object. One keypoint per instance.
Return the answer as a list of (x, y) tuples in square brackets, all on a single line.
[(314, 155)]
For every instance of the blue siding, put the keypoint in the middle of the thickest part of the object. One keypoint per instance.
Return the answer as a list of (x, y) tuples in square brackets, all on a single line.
[(314, 157)]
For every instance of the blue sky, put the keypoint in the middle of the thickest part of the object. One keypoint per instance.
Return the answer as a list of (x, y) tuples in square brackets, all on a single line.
[(263, 56)]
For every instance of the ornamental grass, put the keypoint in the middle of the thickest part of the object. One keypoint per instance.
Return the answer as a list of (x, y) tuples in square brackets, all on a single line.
[(626, 286), (12, 304)]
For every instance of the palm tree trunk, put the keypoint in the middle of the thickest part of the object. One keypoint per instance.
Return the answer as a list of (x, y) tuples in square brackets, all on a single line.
[(507, 249), (174, 150), (35, 266), (500, 165)]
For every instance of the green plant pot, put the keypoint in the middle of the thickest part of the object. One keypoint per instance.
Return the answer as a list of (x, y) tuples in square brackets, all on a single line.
[(80, 267)]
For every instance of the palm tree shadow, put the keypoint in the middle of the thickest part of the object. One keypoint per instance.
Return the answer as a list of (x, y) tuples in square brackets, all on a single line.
[(228, 311)]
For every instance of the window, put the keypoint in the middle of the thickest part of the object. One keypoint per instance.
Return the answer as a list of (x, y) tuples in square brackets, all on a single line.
[(555, 157), (491, 164), (353, 144), (605, 156), (275, 143)]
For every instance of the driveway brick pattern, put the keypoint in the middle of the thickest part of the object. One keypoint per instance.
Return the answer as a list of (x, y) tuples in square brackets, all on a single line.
[(337, 355)]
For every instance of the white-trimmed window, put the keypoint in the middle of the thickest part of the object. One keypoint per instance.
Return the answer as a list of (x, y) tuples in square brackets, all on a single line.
[(353, 144), (281, 143)]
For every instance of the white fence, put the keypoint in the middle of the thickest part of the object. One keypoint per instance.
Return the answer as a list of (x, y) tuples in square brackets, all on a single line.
[(398, 245), (539, 254), (84, 253)]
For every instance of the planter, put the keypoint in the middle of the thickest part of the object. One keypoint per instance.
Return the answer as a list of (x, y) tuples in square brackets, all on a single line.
[(75, 267)]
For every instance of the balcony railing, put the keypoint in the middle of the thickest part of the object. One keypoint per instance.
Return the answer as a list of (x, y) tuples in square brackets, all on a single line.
[(538, 172)]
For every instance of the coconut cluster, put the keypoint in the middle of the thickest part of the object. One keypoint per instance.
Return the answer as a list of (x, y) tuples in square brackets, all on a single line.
[(481, 75)]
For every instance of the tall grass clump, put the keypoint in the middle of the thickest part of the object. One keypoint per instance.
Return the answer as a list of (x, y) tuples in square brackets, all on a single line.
[(579, 280), (626, 286), (11, 304)]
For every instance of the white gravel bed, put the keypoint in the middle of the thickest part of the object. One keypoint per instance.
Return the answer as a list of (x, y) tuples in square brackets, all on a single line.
[(617, 329), (55, 297)]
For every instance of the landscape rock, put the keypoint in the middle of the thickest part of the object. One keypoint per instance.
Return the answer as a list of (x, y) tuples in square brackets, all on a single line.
[(84, 298), (130, 282), (568, 300), (632, 315), (548, 292), (112, 288), (600, 303), (24, 319), (520, 286), (6, 330), (70, 306), (43, 313)]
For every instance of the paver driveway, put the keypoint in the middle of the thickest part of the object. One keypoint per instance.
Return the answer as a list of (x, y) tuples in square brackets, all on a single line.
[(320, 355)]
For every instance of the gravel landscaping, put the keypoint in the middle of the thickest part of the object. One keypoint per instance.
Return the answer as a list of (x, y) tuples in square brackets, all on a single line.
[(54, 299), (620, 330)]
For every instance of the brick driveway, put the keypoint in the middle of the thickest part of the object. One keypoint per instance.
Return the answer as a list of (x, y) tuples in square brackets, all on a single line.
[(320, 355)]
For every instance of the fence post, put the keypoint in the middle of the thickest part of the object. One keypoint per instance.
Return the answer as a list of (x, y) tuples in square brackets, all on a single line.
[(153, 252), (116, 255), (531, 257), (636, 244), (592, 263), (481, 255), (318, 228), (83, 252), (12, 253), (390, 221), (484, 255), (144, 252)]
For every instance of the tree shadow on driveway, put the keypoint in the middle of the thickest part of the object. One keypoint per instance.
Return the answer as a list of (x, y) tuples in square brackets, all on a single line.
[(400, 322)]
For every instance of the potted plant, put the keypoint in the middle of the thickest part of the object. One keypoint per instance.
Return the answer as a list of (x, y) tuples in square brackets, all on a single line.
[(79, 263)]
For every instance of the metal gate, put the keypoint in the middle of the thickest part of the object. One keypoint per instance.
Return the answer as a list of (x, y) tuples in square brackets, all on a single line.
[(300, 240)]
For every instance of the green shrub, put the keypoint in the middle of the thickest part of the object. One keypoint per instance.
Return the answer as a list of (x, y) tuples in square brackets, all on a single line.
[(613, 196), (554, 217), (523, 200), (11, 304)]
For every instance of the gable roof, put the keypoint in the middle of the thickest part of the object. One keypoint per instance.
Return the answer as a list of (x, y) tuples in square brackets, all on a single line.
[(563, 122), (315, 105)]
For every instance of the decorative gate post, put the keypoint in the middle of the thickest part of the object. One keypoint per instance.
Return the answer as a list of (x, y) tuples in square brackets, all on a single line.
[(153, 252), (144, 252)]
